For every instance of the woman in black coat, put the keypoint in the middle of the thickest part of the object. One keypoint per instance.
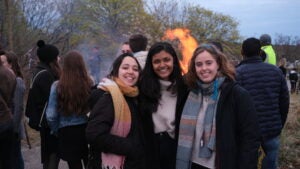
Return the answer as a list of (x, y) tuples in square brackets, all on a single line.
[(113, 129), (47, 71), (162, 94), (218, 127)]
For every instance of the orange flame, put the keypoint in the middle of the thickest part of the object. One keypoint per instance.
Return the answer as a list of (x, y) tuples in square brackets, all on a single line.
[(187, 44)]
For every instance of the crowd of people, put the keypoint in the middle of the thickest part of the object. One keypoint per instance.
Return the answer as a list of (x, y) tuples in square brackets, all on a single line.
[(147, 114)]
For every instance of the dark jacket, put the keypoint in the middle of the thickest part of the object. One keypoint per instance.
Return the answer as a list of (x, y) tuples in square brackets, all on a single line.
[(37, 97), (267, 86), (237, 131), (151, 144), (39, 94), (293, 76), (101, 120), (7, 87)]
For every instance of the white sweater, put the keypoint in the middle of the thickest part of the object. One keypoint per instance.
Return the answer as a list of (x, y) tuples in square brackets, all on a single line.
[(164, 117)]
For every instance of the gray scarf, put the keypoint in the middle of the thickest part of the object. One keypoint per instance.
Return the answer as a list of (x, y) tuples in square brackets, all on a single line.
[(189, 120)]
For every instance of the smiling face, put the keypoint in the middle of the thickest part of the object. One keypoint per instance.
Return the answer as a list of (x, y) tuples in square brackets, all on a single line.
[(128, 71), (162, 63), (206, 67)]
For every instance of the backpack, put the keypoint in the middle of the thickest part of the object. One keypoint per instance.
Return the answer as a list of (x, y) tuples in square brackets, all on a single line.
[(35, 118)]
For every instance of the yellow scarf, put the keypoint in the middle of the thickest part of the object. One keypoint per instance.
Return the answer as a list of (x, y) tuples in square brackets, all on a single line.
[(122, 121)]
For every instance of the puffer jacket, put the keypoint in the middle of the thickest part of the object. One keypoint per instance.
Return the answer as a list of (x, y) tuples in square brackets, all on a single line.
[(268, 88)]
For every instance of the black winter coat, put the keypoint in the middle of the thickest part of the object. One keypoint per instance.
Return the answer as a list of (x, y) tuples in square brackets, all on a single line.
[(237, 130), (101, 120), (268, 88), (37, 98)]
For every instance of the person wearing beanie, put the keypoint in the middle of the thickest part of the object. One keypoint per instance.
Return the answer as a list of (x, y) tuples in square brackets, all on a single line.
[(266, 46), (46, 72)]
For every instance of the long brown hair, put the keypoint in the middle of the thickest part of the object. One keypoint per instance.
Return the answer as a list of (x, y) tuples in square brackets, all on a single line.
[(225, 67), (74, 85), (12, 59)]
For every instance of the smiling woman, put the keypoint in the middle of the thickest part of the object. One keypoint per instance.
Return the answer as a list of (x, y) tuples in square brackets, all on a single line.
[(216, 105), (161, 101), (113, 125)]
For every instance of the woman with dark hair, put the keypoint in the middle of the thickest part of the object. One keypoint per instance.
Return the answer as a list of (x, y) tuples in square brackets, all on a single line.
[(162, 95), (46, 72), (114, 129), (67, 110), (218, 126), (10, 60)]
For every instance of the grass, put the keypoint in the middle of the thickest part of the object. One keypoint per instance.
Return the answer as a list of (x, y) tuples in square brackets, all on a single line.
[(289, 157)]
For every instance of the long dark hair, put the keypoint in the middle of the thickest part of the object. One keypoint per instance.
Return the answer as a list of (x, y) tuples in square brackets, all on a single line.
[(12, 59), (74, 85), (149, 85)]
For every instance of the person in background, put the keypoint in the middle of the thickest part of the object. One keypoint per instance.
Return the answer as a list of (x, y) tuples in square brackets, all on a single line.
[(125, 48), (218, 45), (138, 44), (282, 65), (218, 126), (94, 62), (293, 76), (114, 127), (7, 88), (162, 95), (266, 46), (47, 71), (263, 55), (67, 110), (10, 61), (268, 89)]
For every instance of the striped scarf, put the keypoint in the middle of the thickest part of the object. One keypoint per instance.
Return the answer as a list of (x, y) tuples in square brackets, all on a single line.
[(122, 121), (188, 124)]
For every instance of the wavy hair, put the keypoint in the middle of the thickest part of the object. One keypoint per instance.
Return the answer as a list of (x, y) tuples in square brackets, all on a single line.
[(225, 67), (74, 85), (12, 59)]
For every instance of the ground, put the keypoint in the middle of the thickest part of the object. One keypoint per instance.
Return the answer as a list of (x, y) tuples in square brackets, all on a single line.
[(289, 157)]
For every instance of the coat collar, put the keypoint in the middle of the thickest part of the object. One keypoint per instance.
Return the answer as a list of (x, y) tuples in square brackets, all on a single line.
[(253, 59)]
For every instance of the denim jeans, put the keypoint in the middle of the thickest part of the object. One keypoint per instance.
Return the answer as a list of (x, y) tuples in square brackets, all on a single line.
[(271, 148)]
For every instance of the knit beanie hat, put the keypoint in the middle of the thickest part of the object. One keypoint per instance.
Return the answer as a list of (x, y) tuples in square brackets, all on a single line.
[(265, 39), (46, 53)]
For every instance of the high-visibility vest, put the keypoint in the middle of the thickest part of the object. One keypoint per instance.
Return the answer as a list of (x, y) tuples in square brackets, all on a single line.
[(271, 56)]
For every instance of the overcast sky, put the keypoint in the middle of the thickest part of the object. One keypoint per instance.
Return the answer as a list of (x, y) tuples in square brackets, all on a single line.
[(257, 17)]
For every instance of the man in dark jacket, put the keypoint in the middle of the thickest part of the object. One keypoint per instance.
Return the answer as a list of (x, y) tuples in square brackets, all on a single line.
[(7, 87), (267, 86)]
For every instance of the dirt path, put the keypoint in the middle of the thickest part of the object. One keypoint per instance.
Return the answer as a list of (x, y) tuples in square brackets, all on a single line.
[(32, 157)]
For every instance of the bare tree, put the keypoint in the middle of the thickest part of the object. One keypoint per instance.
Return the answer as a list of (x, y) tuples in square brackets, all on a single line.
[(287, 46)]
